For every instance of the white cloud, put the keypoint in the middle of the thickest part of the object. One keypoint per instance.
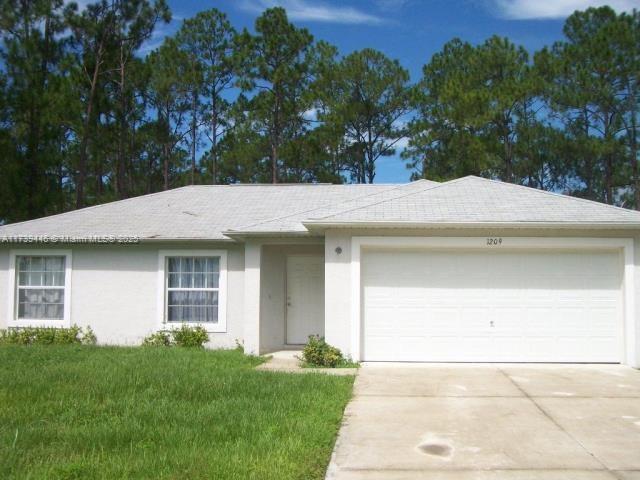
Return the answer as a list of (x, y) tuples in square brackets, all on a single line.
[(158, 35), (549, 9), (310, 115), (401, 144), (312, 11)]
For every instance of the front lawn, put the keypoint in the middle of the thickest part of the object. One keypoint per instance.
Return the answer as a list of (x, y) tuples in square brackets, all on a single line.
[(70, 412)]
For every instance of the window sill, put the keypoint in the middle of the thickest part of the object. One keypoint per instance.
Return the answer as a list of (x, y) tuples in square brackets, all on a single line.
[(209, 327), (26, 322)]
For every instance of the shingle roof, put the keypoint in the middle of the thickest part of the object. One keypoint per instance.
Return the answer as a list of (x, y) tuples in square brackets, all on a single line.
[(208, 212), (194, 212), (292, 222), (474, 200)]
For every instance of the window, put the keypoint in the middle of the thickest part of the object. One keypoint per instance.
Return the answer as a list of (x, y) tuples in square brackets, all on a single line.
[(194, 288), (40, 287)]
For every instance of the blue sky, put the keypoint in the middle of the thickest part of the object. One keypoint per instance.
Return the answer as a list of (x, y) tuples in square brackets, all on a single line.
[(408, 30)]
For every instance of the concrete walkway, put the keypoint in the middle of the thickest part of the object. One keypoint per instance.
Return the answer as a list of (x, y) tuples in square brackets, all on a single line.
[(491, 422)]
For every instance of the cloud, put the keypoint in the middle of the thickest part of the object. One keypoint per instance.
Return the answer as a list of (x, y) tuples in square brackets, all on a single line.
[(551, 9), (158, 36), (401, 144), (311, 115), (312, 11)]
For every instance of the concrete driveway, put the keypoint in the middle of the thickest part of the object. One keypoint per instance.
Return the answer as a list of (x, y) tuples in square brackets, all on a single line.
[(491, 422)]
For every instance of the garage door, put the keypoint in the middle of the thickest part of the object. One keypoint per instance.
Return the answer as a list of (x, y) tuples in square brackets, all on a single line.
[(513, 306)]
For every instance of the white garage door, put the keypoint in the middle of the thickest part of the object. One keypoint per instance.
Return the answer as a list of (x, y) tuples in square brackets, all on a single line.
[(517, 306)]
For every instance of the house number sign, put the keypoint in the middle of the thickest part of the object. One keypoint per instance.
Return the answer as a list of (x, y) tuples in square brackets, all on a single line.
[(494, 241)]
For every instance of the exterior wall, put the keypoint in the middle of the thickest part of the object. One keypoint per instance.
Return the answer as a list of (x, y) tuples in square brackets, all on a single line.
[(273, 292), (338, 269), (4, 286), (114, 289), (337, 290)]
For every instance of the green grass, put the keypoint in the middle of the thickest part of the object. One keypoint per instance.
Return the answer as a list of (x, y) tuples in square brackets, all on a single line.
[(74, 412), (343, 364)]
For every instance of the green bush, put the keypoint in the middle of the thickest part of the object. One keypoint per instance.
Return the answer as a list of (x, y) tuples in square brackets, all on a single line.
[(158, 339), (68, 336), (185, 336), (88, 337), (190, 336), (48, 336), (318, 353)]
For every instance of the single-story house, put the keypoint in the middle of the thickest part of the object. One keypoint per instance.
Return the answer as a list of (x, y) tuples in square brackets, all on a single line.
[(466, 270)]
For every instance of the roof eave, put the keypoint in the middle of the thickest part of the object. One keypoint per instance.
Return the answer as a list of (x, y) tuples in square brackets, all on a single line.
[(320, 225), (185, 239), (240, 235), (141, 240)]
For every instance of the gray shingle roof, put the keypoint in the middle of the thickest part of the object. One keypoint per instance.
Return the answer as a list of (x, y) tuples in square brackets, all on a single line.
[(207, 212), (194, 212), (474, 200), (292, 222)]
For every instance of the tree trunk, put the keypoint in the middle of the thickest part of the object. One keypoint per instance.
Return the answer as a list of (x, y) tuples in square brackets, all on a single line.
[(508, 152), (608, 175), (362, 164), (370, 172), (165, 166), (166, 147), (194, 135), (275, 135), (33, 143), (632, 133), (588, 173), (508, 162), (82, 158), (214, 140), (274, 162), (608, 166), (633, 143), (99, 173), (120, 163)]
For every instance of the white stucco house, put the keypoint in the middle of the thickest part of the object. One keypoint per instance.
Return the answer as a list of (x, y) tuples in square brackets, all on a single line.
[(466, 270)]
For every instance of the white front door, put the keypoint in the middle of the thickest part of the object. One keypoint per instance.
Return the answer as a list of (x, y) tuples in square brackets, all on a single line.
[(518, 306), (305, 298)]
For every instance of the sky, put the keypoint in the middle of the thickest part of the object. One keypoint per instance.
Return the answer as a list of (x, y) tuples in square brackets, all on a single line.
[(408, 30)]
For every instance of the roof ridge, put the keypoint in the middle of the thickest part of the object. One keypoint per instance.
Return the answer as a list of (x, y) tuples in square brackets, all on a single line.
[(302, 184), (555, 194), (390, 187), (93, 207), (429, 187)]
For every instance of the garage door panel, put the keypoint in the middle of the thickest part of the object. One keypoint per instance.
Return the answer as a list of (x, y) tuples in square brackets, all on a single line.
[(489, 306)]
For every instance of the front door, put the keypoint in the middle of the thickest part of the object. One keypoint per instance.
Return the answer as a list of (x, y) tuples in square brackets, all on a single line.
[(305, 298)]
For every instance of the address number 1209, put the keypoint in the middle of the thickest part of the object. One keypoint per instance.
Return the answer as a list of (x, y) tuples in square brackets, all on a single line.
[(494, 241)]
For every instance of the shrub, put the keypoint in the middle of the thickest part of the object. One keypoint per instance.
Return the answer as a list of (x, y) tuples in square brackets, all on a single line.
[(318, 353), (185, 336), (190, 337), (67, 336), (158, 339), (48, 336), (88, 337)]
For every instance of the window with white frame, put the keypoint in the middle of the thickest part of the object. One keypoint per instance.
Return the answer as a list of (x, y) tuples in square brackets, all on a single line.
[(193, 289), (40, 287)]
